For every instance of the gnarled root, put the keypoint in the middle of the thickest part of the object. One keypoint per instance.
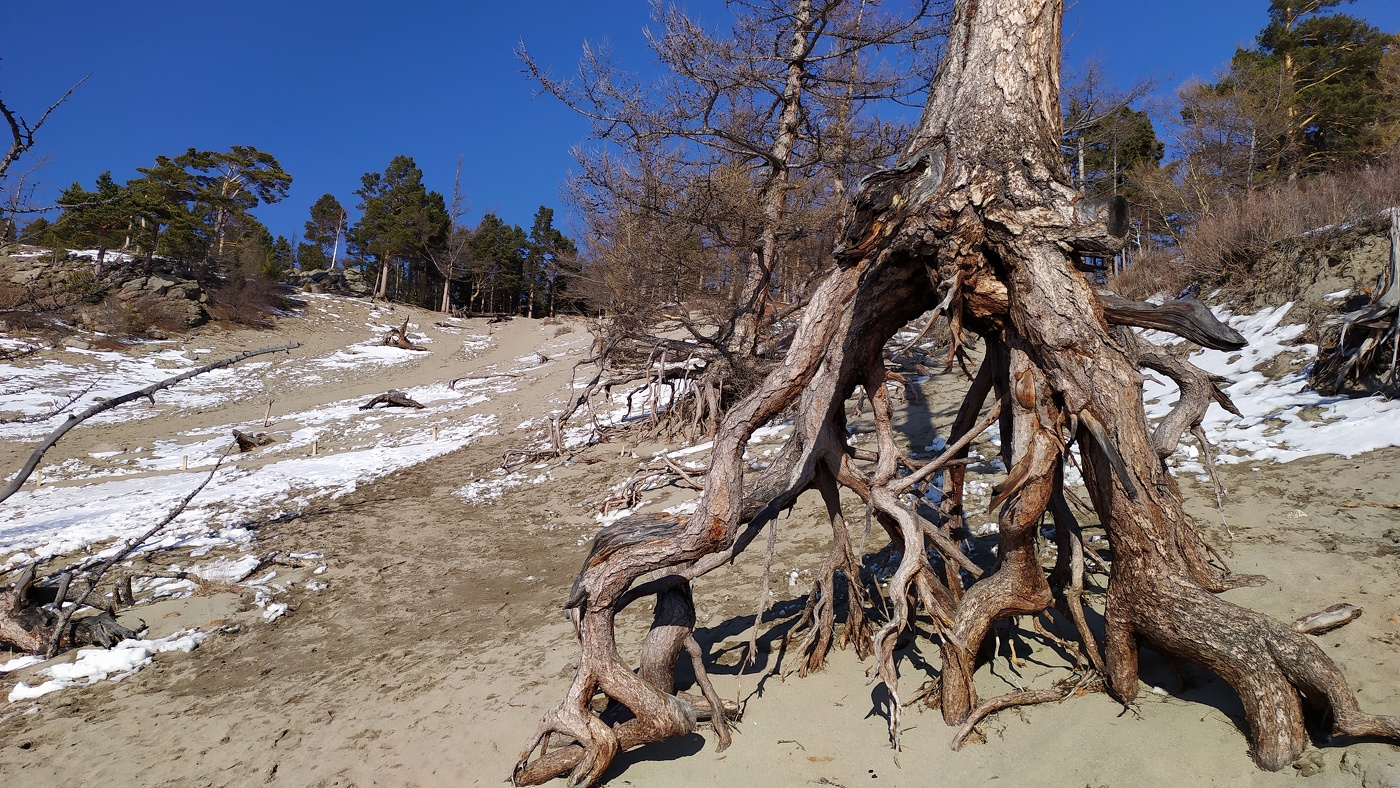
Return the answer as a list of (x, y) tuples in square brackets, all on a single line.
[(657, 715), (819, 615), (1269, 665)]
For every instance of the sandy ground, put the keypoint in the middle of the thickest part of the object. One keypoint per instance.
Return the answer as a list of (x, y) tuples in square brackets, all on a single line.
[(439, 640)]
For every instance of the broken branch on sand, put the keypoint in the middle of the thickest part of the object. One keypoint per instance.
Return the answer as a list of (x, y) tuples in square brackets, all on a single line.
[(393, 398)]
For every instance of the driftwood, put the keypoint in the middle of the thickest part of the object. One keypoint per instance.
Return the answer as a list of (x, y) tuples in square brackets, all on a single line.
[(40, 620), (392, 398), (1328, 619), (26, 625), (148, 392), (1368, 342), (453, 385), (247, 443), (398, 337)]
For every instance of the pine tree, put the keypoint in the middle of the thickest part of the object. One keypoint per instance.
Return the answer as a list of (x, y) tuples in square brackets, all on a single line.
[(546, 255), (400, 220), (1110, 146), (1307, 98), (323, 231), (231, 183), (162, 221), (498, 260), (98, 218)]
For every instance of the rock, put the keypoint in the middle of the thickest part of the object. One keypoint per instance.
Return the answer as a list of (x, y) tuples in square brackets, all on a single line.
[(338, 282), (77, 344), (27, 276), (1310, 764), (158, 285)]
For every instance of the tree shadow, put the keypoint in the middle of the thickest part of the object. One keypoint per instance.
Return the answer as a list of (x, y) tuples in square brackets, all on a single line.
[(665, 750)]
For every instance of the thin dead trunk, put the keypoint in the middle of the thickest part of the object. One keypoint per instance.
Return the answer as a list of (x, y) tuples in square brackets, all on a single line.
[(753, 294)]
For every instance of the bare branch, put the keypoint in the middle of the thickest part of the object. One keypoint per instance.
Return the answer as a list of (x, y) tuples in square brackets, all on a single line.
[(148, 392)]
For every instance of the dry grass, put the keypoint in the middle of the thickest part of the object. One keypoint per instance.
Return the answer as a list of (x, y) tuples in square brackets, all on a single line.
[(1153, 271), (1238, 246), (248, 301)]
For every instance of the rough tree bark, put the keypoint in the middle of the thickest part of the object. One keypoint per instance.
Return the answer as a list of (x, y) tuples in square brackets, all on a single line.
[(979, 214)]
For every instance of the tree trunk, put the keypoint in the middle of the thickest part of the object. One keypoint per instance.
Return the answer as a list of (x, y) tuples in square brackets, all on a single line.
[(753, 294), (981, 215), (381, 288)]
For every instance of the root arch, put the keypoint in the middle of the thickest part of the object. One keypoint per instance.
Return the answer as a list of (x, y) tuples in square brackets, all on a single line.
[(977, 219)]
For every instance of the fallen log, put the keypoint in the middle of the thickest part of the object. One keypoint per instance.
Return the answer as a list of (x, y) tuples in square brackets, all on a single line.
[(393, 398)]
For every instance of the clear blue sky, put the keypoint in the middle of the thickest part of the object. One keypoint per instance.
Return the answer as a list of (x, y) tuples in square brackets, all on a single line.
[(336, 89)]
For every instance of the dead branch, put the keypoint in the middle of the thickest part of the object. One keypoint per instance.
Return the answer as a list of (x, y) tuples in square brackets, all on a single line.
[(453, 385), (95, 573), (393, 399), (105, 405), (22, 133)]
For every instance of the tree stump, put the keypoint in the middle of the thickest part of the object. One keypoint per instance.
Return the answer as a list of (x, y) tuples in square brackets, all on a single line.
[(247, 442)]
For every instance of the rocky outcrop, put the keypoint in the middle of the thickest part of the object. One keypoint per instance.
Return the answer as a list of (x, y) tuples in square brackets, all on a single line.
[(167, 296), (177, 303), (340, 281)]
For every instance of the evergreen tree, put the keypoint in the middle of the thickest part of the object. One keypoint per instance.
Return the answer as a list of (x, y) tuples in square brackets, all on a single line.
[(1307, 98), (399, 221), (547, 253), (498, 259), (232, 183), (100, 218), (162, 221), (1110, 146), (38, 231), (322, 233), (280, 261)]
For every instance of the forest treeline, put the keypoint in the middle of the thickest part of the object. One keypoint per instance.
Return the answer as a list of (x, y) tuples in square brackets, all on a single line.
[(719, 183), (198, 208)]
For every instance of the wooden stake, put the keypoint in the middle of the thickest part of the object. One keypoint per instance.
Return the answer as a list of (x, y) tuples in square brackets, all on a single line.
[(185, 463), (267, 414), (313, 448), (435, 429)]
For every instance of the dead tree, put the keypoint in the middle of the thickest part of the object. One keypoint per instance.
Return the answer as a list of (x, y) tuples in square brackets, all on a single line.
[(979, 212)]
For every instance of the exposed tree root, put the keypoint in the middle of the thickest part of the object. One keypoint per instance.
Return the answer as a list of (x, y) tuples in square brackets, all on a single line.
[(398, 337), (1064, 690), (977, 220)]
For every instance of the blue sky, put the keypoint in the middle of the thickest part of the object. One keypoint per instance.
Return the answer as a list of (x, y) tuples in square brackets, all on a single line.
[(336, 89)]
